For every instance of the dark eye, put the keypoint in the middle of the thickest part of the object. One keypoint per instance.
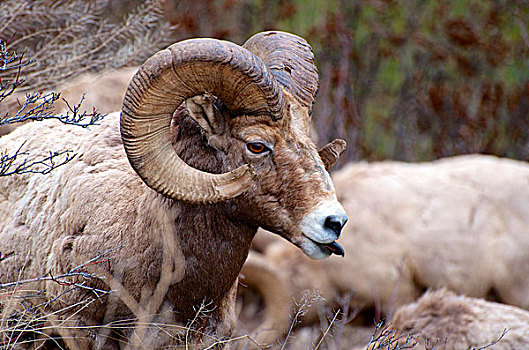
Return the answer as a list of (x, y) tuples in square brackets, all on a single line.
[(257, 147)]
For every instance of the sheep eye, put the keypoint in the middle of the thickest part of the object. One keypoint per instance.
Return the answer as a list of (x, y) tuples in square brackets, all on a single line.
[(257, 147)]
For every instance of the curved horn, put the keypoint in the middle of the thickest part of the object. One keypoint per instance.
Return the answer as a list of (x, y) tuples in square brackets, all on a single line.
[(163, 82), (291, 61)]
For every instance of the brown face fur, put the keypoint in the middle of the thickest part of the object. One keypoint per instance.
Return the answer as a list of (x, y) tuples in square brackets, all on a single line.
[(290, 179)]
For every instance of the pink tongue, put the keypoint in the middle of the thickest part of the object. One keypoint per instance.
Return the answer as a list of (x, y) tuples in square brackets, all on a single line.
[(335, 248)]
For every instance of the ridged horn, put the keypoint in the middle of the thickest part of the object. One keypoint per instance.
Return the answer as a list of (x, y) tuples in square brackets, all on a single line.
[(183, 70), (330, 153), (291, 61)]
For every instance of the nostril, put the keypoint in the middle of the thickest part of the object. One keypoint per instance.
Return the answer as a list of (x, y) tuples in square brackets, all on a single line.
[(335, 223)]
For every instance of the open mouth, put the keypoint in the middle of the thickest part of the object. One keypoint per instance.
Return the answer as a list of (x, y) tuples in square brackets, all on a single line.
[(330, 248), (333, 248), (317, 250)]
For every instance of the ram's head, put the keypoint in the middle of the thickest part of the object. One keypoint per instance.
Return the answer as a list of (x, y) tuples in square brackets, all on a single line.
[(253, 108)]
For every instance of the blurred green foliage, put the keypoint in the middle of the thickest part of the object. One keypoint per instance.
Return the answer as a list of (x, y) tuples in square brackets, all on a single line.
[(411, 79)]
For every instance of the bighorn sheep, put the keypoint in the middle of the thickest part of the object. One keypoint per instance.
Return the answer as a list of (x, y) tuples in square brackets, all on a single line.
[(217, 136), (444, 320), (459, 223)]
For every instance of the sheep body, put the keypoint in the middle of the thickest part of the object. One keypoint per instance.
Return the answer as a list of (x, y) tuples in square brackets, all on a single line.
[(449, 321), (79, 207), (96, 203), (458, 223)]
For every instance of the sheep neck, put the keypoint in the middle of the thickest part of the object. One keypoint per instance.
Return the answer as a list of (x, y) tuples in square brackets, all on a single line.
[(214, 244), (214, 249)]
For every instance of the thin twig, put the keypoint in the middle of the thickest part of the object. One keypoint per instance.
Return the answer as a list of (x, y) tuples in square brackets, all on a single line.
[(327, 330)]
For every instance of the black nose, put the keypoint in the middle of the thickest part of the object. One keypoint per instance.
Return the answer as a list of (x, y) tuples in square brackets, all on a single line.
[(335, 223)]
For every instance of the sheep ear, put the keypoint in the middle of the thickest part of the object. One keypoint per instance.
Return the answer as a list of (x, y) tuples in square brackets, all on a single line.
[(329, 154), (203, 110)]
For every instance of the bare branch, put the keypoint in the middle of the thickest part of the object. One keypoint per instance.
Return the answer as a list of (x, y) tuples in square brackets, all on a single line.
[(388, 339), (496, 341), (36, 107), (43, 164), (76, 272)]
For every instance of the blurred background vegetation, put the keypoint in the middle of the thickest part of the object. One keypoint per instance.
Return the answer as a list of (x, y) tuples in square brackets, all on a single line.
[(411, 80)]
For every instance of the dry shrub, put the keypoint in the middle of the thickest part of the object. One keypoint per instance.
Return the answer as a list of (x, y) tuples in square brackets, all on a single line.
[(63, 39)]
